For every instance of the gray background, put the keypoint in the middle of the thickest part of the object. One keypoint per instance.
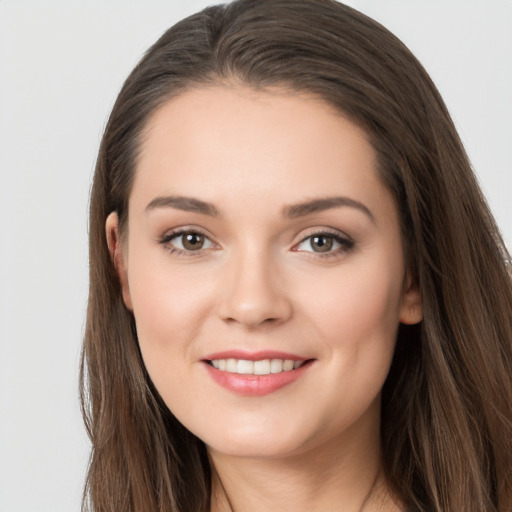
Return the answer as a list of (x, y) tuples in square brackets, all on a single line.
[(61, 66)]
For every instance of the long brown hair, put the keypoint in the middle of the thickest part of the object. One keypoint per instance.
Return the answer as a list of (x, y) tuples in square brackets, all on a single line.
[(447, 403)]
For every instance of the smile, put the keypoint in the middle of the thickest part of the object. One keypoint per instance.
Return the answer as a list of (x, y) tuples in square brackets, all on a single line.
[(259, 367), (256, 373)]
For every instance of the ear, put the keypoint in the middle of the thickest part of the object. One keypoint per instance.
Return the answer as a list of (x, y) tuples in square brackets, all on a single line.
[(116, 254), (411, 310)]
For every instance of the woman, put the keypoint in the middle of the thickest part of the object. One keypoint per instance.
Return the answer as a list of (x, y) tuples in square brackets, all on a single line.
[(299, 299)]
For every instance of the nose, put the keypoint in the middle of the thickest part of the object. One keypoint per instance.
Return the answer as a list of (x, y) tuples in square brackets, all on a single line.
[(254, 292)]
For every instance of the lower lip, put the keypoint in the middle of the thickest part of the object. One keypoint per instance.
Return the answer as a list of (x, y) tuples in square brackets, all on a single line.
[(256, 385)]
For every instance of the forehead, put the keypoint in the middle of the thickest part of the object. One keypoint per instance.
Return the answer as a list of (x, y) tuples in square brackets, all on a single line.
[(222, 134)]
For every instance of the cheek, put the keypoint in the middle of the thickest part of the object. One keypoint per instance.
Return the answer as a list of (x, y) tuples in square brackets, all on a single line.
[(169, 306), (169, 315), (357, 323), (356, 305), (356, 317)]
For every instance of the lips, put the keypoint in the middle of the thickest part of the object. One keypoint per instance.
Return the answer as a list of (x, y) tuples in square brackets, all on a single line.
[(255, 374)]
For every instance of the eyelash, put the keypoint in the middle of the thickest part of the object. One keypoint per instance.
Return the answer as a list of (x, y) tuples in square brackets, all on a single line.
[(346, 243), (168, 237)]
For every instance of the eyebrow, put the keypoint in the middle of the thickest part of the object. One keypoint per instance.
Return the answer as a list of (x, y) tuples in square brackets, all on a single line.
[(188, 204), (318, 205), (293, 211)]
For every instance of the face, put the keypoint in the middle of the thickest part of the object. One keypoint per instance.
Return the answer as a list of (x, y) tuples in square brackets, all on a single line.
[(264, 267)]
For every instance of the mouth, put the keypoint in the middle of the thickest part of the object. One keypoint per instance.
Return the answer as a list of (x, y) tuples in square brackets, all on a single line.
[(255, 374), (257, 367)]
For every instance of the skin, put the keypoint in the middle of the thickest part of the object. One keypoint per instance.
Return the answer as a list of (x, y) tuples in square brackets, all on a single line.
[(258, 283)]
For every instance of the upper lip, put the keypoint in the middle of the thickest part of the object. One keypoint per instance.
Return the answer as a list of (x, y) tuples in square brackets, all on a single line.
[(254, 356)]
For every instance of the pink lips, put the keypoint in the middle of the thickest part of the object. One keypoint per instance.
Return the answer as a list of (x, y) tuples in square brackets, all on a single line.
[(254, 385)]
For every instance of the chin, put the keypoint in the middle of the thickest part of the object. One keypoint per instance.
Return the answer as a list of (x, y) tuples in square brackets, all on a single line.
[(249, 449), (249, 442)]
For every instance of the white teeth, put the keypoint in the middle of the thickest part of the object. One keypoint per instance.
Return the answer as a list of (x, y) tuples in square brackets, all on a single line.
[(287, 365), (276, 366), (245, 367), (261, 367)]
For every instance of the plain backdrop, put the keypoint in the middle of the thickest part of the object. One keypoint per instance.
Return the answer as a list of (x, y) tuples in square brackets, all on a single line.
[(61, 66)]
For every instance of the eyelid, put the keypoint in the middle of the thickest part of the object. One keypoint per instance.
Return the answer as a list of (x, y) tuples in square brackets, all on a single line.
[(319, 231), (171, 234), (188, 228), (346, 242)]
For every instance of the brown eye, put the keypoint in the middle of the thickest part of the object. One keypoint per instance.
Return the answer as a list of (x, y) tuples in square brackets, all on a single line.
[(192, 241), (326, 244), (321, 243), (187, 242)]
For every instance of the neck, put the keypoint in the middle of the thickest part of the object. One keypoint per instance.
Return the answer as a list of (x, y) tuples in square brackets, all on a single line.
[(341, 475)]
